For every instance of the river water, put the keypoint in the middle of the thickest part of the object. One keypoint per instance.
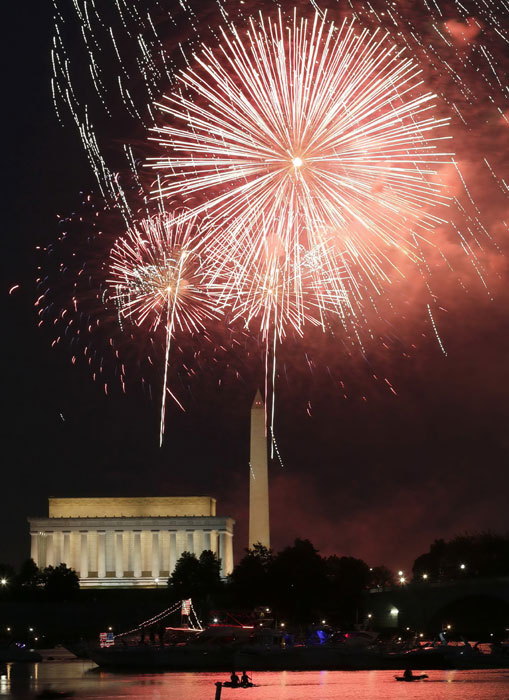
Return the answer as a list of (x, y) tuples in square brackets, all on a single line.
[(85, 680)]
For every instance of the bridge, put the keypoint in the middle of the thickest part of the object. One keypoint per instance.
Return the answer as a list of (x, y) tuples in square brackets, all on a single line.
[(467, 605)]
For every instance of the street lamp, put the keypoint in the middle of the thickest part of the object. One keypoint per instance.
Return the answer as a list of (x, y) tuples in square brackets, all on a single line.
[(425, 576), (3, 581)]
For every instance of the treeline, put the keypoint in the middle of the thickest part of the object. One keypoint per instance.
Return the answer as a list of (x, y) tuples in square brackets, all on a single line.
[(481, 554), (53, 582), (297, 584)]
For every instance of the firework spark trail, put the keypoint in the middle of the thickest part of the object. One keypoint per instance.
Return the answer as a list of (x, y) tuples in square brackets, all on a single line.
[(157, 278)]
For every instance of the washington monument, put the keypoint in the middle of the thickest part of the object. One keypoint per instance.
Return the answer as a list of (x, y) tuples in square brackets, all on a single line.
[(259, 529)]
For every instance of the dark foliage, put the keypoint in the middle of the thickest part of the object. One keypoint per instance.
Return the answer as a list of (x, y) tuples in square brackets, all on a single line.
[(465, 556)]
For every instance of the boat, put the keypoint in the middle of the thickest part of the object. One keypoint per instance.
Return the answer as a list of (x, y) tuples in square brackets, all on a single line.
[(411, 679), (229, 684), (223, 647)]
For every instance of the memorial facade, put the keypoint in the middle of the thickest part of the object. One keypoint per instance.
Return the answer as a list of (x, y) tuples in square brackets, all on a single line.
[(124, 542)]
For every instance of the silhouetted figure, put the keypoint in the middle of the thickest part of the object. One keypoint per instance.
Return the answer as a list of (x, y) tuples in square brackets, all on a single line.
[(245, 678), (234, 679), (407, 674)]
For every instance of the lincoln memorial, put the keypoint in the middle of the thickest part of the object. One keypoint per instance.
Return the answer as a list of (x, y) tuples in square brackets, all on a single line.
[(124, 542)]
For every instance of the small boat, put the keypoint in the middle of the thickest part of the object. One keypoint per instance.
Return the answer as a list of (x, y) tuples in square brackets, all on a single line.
[(229, 684), (410, 679)]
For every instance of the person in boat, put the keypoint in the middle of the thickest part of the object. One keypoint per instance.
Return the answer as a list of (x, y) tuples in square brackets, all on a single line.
[(407, 674), (245, 680), (234, 679)]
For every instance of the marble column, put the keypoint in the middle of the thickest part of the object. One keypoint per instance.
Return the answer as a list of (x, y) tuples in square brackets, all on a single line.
[(190, 541), (156, 555), (101, 554), (66, 548), (181, 538), (137, 553), (173, 550), (34, 547), (207, 539), (50, 549), (198, 542), (84, 554), (214, 542), (119, 553)]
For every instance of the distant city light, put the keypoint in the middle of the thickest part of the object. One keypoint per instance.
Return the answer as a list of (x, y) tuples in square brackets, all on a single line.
[(462, 566), (394, 611), (425, 576), (449, 627), (402, 579), (3, 581), (216, 620), (370, 616), (400, 573), (282, 624)]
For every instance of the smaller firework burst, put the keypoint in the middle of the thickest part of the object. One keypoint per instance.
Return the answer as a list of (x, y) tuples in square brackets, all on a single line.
[(157, 278)]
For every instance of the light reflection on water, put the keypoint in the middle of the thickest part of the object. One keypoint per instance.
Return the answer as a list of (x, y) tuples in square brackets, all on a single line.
[(23, 681)]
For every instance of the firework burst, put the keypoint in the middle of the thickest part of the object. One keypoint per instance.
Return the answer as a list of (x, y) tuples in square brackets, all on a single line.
[(157, 278), (312, 121)]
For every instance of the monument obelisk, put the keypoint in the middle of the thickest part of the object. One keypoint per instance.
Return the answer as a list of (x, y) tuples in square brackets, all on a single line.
[(259, 529)]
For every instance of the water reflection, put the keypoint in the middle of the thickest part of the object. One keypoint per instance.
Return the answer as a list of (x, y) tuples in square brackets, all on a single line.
[(23, 681)]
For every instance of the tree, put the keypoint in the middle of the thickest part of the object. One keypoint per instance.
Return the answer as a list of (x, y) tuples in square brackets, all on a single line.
[(60, 582), (184, 581), (249, 580), (210, 573), (298, 581), (348, 578), (29, 575), (381, 577)]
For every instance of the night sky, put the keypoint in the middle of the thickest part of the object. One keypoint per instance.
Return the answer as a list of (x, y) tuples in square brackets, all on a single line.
[(366, 471)]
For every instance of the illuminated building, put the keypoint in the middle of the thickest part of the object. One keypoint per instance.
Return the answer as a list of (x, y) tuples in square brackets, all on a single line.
[(129, 541)]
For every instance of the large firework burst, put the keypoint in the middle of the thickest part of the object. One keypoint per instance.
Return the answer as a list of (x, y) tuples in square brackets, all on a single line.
[(307, 121)]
